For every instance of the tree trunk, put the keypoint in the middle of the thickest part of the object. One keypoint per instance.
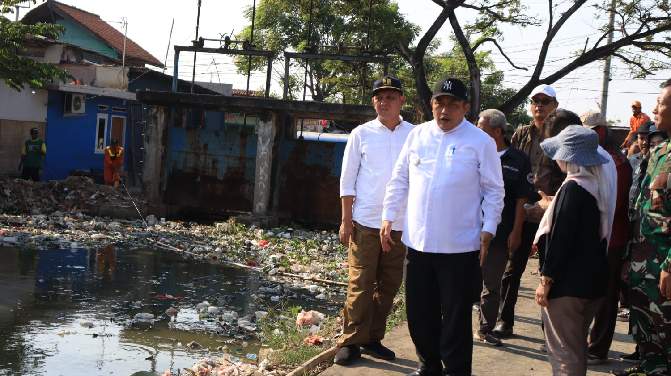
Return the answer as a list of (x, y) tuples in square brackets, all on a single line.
[(423, 91), (473, 69)]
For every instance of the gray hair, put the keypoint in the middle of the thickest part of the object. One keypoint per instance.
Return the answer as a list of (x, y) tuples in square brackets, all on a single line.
[(496, 118)]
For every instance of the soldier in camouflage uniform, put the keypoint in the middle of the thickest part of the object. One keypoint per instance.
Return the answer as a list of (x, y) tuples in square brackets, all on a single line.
[(650, 270)]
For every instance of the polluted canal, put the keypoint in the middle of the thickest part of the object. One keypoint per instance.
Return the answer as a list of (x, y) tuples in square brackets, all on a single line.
[(115, 311)]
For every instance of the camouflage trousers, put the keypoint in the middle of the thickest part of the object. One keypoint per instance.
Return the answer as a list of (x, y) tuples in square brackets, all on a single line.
[(650, 316)]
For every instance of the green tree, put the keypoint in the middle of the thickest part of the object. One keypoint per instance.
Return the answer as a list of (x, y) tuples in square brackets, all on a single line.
[(453, 64), (640, 29), (352, 27), (17, 70)]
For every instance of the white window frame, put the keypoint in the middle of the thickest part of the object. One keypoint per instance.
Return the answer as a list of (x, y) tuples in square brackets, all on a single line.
[(95, 140), (122, 142)]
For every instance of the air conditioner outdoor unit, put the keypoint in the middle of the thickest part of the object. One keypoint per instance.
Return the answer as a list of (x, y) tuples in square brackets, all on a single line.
[(75, 103)]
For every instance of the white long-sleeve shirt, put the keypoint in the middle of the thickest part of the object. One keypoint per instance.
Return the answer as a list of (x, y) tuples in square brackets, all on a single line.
[(367, 164), (453, 185)]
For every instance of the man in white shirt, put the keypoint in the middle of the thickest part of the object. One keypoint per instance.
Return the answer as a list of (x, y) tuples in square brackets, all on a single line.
[(449, 177), (374, 276)]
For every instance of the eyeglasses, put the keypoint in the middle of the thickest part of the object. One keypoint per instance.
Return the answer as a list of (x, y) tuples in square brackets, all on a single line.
[(544, 101)]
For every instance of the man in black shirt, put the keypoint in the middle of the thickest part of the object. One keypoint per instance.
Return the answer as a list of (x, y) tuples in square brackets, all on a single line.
[(518, 183)]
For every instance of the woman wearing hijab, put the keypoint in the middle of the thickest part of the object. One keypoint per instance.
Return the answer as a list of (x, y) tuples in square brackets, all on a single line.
[(573, 238)]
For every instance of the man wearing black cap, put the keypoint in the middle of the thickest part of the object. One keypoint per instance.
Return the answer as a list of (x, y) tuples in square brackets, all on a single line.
[(448, 175), (32, 156), (375, 274)]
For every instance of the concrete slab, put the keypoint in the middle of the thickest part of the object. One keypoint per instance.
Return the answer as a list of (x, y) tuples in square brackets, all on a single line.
[(520, 356)]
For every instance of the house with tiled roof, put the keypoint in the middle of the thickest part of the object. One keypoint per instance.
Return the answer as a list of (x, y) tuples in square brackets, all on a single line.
[(89, 31), (77, 118)]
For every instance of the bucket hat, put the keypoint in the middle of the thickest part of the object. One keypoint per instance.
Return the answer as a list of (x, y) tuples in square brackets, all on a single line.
[(575, 144)]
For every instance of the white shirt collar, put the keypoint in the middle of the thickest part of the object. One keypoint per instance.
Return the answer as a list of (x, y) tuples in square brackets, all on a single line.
[(379, 123), (438, 131)]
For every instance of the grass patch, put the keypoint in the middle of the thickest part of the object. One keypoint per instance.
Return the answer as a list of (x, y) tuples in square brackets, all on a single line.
[(279, 332), (398, 314)]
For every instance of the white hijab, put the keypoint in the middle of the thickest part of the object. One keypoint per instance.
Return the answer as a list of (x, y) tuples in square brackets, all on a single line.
[(601, 182)]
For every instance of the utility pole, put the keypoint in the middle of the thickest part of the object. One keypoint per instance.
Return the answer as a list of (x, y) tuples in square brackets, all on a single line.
[(606, 67), (195, 41), (251, 43)]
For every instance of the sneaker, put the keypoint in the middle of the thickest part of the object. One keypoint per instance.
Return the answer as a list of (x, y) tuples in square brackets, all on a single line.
[(377, 350), (634, 357), (487, 338), (633, 371), (502, 331), (594, 360), (347, 354), (543, 349)]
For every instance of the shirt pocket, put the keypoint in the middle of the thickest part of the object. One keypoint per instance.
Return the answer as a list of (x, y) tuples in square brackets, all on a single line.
[(376, 156), (460, 170)]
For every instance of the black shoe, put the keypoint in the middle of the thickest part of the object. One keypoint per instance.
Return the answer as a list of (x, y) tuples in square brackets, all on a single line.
[(377, 350), (634, 357), (425, 371), (502, 331), (487, 338), (347, 354), (634, 371), (594, 360)]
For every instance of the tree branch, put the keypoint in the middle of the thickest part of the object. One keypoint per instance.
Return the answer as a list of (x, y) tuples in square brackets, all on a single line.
[(632, 62), (496, 43)]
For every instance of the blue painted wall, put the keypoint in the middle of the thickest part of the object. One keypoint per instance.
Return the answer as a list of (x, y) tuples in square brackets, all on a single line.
[(211, 167), (79, 36), (71, 138)]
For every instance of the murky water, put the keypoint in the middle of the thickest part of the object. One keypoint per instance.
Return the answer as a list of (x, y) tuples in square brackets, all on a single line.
[(68, 312)]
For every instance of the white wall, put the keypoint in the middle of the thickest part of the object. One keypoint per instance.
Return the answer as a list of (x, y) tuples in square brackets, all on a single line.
[(23, 105)]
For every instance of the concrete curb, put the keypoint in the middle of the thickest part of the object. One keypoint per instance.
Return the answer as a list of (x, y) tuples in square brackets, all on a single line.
[(324, 356)]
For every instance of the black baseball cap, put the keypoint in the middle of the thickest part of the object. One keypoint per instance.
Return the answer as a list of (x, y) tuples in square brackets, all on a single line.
[(453, 87), (387, 82)]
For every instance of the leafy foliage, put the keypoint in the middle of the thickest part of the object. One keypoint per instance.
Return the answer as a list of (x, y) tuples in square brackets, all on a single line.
[(17, 70), (335, 27)]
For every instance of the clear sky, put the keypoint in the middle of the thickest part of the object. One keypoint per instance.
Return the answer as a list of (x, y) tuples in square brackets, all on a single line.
[(149, 24)]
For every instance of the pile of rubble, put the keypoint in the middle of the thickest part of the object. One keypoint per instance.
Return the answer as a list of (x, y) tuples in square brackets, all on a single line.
[(74, 194)]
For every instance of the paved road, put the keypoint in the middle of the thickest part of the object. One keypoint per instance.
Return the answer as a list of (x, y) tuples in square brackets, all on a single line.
[(519, 356)]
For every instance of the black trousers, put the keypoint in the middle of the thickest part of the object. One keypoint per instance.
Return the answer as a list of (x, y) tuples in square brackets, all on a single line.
[(601, 336), (510, 283), (439, 297)]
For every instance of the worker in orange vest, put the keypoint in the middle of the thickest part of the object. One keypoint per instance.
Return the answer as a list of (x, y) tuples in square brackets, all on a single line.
[(113, 163)]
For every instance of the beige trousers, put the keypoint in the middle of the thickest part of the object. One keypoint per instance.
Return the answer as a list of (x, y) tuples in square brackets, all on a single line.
[(374, 280), (566, 324)]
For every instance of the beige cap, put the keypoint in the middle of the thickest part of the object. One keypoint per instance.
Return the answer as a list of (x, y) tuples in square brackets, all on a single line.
[(636, 104), (593, 119)]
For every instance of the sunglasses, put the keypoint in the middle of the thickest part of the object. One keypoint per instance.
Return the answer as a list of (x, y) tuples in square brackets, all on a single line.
[(544, 101)]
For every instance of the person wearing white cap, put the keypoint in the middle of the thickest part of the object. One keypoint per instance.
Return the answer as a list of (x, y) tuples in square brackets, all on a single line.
[(573, 239), (546, 178)]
